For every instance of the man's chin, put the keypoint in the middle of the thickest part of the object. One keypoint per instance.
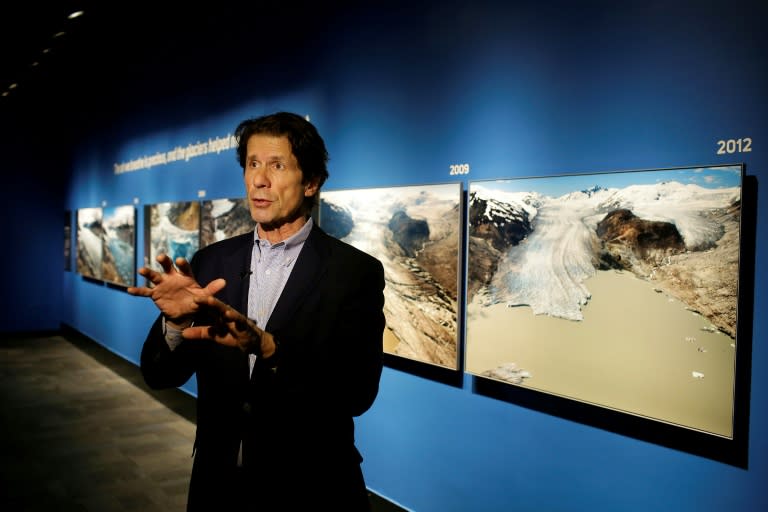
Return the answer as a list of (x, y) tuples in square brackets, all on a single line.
[(271, 222)]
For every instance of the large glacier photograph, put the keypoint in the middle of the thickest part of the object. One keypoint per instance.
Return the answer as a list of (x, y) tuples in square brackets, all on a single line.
[(415, 231), (119, 245), (89, 234), (173, 229), (614, 289), (224, 218)]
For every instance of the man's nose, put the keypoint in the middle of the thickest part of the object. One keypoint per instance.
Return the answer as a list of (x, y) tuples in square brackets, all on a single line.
[(259, 177)]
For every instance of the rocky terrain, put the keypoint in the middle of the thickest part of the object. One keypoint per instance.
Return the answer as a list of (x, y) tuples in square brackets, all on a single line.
[(335, 220), (224, 218), (494, 227), (628, 240)]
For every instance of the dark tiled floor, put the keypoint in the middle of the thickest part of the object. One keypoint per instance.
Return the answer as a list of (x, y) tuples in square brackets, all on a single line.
[(81, 432)]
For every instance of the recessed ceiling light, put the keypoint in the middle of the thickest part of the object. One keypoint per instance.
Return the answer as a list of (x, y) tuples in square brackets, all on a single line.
[(13, 86), (59, 34), (76, 14)]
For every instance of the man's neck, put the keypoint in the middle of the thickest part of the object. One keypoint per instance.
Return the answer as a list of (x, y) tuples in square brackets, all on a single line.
[(276, 234)]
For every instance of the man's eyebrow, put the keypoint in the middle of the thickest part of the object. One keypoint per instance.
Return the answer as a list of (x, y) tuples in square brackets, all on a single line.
[(269, 157)]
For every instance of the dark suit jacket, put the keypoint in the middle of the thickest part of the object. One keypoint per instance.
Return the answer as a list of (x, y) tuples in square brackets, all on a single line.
[(295, 415)]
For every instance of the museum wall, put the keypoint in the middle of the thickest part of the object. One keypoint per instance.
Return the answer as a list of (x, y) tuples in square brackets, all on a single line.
[(454, 93)]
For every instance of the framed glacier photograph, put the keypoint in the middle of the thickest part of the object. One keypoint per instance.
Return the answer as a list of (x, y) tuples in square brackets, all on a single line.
[(618, 290), (89, 248), (119, 245), (224, 218), (171, 228), (415, 231)]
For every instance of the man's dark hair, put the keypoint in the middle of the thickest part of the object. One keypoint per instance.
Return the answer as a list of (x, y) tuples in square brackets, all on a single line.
[(306, 143)]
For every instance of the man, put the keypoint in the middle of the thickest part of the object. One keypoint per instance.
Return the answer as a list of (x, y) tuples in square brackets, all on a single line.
[(283, 328)]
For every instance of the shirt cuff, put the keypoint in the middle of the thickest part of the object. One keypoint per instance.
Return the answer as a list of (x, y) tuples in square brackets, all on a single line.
[(173, 336)]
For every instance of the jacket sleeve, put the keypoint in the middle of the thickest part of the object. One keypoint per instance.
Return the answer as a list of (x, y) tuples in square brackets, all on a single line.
[(161, 366)]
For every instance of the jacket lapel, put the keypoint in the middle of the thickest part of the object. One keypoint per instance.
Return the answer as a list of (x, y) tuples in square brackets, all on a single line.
[(306, 272), (238, 265)]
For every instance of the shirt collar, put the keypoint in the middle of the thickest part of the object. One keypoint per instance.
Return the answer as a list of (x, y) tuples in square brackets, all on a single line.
[(295, 239)]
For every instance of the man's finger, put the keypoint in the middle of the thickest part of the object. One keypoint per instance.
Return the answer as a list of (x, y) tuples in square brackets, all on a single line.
[(204, 300), (142, 291), (218, 331), (212, 302), (241, 323), (233, 315), (184, 267), (165, 261), (195, 333), (215, 286)]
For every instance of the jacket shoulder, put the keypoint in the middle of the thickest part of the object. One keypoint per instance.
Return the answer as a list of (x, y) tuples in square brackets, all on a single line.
[(344, 250)]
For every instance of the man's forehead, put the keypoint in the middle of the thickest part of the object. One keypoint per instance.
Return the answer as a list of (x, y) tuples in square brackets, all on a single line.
[(269, 146)]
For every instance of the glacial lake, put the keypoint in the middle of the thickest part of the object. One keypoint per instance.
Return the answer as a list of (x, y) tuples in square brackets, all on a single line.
[(636, 350)]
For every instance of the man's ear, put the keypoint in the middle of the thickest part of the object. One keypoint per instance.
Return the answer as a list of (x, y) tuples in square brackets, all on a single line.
[(311, 187)]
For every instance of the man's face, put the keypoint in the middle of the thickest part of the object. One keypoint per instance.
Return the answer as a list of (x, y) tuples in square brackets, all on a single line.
[(273, 183)]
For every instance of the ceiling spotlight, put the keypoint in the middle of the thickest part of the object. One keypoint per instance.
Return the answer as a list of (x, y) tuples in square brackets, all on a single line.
[(75, 14), (13, 86), (59, 34)]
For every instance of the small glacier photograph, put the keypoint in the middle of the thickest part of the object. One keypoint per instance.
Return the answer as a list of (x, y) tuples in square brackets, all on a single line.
[(174, 229), (89, 234), (415, 231), (614, 289), (119, 245)]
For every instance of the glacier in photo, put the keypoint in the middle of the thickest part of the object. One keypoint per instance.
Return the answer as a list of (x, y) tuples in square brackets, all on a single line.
[(548, 269)]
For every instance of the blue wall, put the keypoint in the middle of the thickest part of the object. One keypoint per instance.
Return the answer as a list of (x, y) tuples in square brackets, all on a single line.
[(513, 89)]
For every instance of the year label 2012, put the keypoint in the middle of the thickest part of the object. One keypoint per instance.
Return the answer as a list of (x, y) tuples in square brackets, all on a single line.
[(730, 146)]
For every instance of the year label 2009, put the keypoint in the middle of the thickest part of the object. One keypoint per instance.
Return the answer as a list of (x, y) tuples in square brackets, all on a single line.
[(457, 169)]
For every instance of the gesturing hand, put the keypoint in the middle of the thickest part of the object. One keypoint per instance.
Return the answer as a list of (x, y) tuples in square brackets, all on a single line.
[(174, 290), (231, 328)]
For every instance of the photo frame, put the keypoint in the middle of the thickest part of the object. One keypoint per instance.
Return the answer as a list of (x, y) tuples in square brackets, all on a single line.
[(171, 228), (617, 290), (89, 242), (68, 240), (119, 245), (415, 231)]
